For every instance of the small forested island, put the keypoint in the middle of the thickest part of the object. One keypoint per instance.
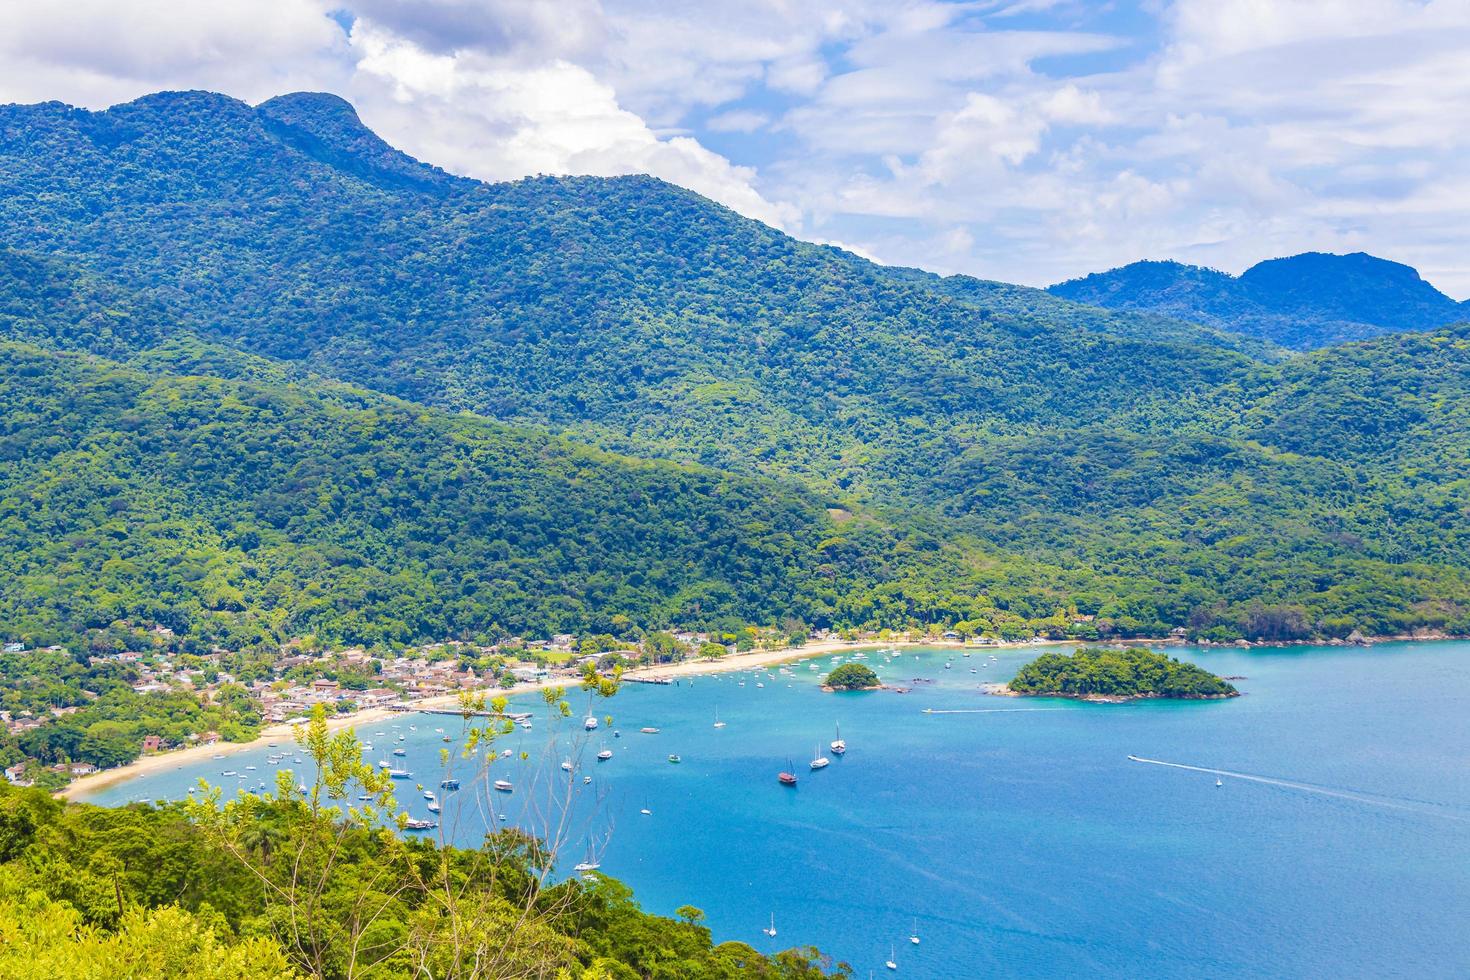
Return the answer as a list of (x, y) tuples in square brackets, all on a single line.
[(1108, 674), (852, 677)]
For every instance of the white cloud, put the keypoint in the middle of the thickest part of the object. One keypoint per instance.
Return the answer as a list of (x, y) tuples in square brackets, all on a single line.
[(738, 121), (96, 53), (484, 117)]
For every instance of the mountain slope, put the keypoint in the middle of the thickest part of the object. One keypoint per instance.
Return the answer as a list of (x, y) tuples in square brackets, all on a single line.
[(1305, 301), (625, 310), (247, 512), (1010, 456)]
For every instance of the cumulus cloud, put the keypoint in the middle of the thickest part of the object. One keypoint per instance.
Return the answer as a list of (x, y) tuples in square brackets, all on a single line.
[(486, 117)]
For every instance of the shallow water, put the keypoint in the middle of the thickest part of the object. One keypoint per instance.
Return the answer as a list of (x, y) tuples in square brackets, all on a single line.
[(1017, 832)]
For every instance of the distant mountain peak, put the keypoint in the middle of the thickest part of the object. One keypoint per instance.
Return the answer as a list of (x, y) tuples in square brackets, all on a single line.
[(1308, 300)]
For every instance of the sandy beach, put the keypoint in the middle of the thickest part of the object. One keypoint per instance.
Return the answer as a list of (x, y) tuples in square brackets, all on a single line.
[(282, 733)]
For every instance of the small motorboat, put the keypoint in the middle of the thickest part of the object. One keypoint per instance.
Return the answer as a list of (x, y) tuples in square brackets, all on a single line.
[(675, 759), (450, 784), (566, 765), (649, 731), (587, 866)]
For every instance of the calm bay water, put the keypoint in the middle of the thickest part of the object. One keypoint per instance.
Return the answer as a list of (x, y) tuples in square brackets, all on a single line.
[(1017, 833)]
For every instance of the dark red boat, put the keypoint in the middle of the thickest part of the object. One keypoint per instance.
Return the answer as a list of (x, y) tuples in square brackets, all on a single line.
[(787, 777)]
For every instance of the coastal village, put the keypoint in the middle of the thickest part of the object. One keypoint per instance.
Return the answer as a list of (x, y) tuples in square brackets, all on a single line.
[(354, 680), (283, 687)]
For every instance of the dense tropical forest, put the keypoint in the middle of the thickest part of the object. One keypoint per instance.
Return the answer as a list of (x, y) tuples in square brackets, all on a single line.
[(267, 377), (1130, 672)]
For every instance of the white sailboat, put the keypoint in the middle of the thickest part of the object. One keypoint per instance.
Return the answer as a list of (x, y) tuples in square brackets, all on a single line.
[(820, 761), (838, 745), (914, 936), (590, 722), (771, 931), (718, 723), (892, 962)]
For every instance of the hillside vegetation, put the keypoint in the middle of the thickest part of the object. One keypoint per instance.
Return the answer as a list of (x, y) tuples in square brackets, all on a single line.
[(270, 377)]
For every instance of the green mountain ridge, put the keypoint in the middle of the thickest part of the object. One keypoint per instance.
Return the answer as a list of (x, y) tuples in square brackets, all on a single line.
[(1012, 457), (1305, 301)]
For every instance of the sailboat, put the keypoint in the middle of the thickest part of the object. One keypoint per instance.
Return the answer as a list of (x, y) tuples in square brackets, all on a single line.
[(892, 963), (771, 931), (718, 723), (1219, 782), (590, 722), (838, 745), (820, 761), (786, 776), (605, 754), (914, 936)]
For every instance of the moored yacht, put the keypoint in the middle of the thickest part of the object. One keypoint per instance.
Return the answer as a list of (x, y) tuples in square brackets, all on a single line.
[(838, 746), (820, 761)]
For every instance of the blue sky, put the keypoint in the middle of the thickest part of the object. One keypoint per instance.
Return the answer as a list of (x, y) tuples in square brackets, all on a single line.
[(1024, 140)]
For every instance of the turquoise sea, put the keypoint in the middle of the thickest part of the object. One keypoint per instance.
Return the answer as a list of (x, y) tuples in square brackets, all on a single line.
[(1016, 834)]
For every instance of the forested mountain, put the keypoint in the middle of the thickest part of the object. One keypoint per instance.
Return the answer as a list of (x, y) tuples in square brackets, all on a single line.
[(214, 311), (1304, 301), (628, 310)]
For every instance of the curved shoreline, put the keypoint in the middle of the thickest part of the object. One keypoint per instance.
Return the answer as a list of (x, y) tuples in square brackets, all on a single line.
[(282, 733), (178, 758)]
